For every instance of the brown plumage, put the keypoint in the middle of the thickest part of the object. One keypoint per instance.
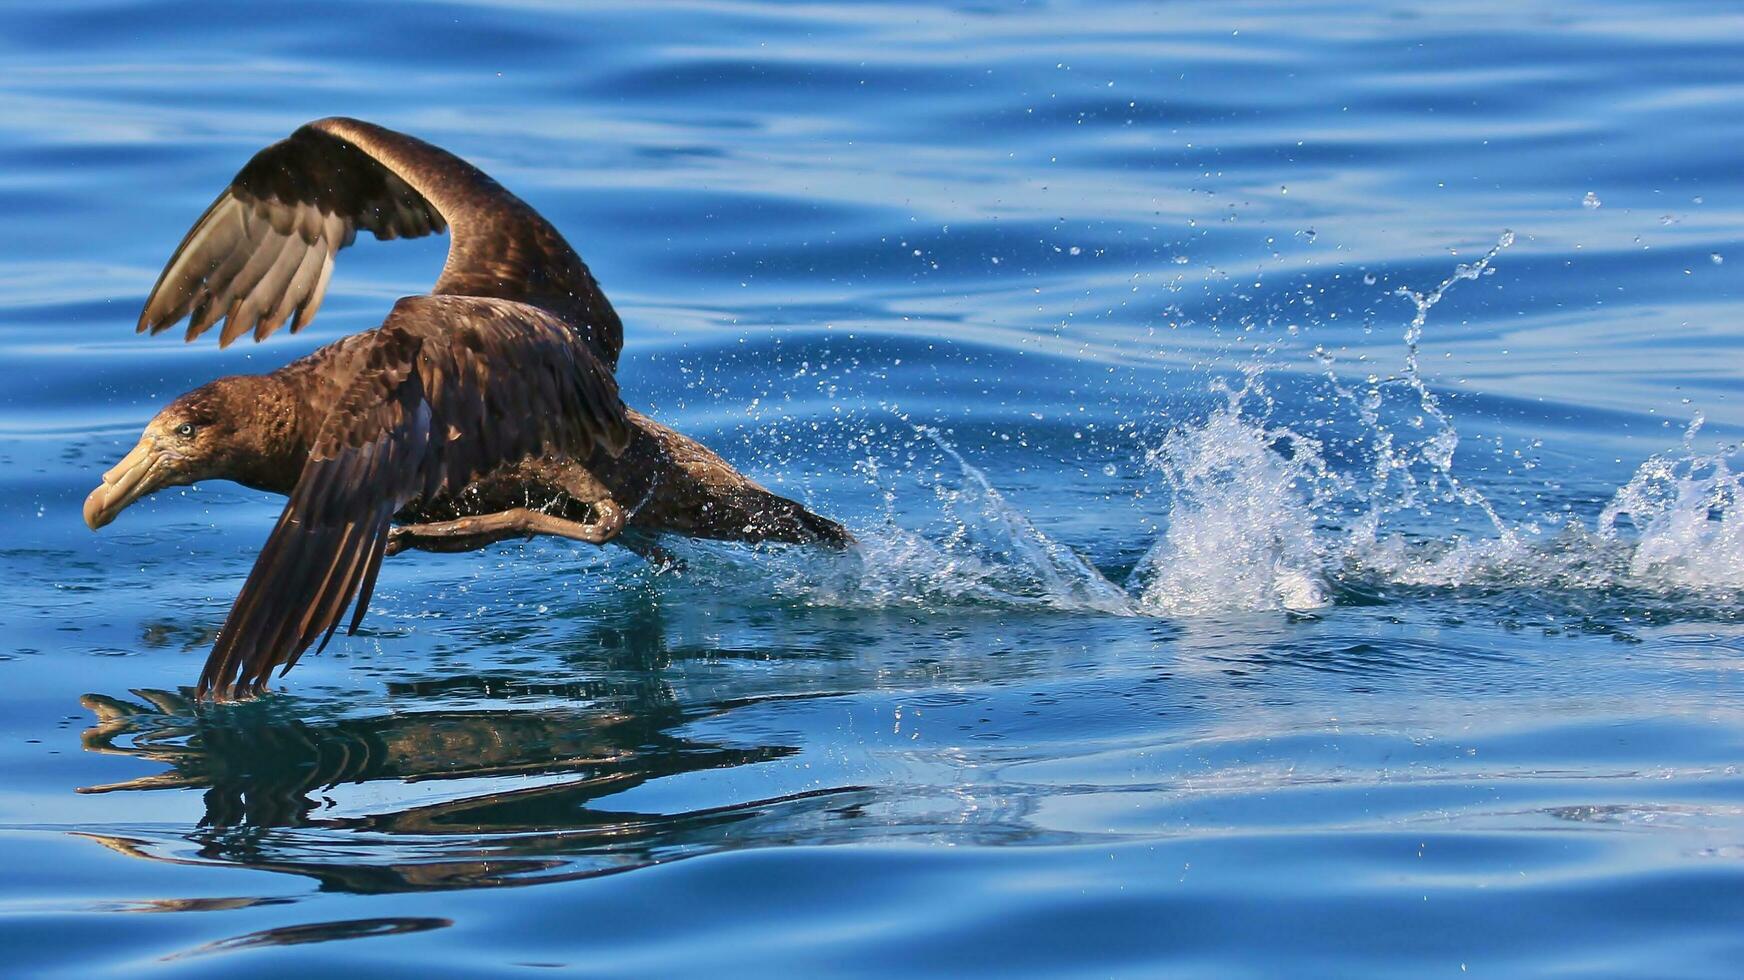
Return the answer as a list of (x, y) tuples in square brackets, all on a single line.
[(483, 411)]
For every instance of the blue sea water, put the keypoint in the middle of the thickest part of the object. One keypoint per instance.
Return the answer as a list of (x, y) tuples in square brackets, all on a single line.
[(1294, 448)]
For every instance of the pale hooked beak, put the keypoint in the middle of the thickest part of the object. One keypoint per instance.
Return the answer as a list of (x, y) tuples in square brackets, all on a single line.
[(128, 481)]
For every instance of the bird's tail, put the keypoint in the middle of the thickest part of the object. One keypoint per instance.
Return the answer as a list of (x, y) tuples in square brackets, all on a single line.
[(781, 519)]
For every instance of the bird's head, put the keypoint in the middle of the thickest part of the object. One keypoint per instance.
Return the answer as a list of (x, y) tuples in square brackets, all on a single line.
[(209, 433)]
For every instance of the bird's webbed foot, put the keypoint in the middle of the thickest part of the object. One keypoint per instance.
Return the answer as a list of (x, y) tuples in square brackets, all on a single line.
[(472, 533)]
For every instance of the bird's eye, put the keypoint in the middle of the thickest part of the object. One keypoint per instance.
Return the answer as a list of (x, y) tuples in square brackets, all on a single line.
[(185, 430)]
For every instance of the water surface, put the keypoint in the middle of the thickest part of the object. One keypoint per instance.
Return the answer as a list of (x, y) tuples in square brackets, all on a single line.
[(1294, 447)]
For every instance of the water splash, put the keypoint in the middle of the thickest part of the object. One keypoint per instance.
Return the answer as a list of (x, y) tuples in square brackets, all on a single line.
[(976, 549), (1023, 561), (1439, 450), (1274, 513), (1258, 518), (1241, 517), (1687, 509)]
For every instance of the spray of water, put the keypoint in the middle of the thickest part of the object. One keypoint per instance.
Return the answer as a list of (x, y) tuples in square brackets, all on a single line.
[(1241, 517), (1687, 509), (1259, 519), (1440, 448), (975, 549)]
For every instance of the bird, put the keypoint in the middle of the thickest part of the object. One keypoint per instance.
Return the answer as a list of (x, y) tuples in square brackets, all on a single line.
[(486, 409)]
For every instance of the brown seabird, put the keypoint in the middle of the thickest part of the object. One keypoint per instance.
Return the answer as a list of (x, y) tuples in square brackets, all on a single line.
[(484, 410)]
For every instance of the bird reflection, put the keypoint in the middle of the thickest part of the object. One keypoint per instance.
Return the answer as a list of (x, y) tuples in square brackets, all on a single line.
[(450, 798)]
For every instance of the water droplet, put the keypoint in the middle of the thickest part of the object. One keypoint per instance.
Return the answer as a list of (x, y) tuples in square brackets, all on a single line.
[(1368, 279), (1716, 258)]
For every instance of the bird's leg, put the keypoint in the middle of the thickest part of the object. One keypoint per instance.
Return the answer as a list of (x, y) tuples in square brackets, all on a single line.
[(471, 533)]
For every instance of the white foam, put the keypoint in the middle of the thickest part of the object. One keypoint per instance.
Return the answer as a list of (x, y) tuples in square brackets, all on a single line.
[(1687, 509), (1240, 534)]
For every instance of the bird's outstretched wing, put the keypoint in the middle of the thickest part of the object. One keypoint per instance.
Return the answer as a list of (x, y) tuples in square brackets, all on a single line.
[(262, 254), (448, 388)]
